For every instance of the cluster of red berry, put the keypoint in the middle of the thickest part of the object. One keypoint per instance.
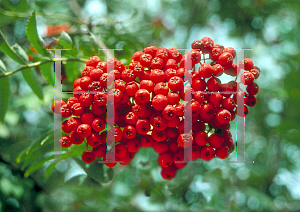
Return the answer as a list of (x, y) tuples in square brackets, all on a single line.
[(150, 107)]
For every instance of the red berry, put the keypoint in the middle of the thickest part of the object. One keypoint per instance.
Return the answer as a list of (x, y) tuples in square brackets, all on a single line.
[(201, 138), (222, 152), (65, 141), (88, 156), (58, 103), (165, 160), (93, 61), (223, 116), (215, 140), (169, 112), (159, 102), (252, 89), (120, 150), (143, 126), (226, 59), (207, 153), (84, 130), (147, 141), (110, 159), (94, 139), (185, 140), (75, 138), (115, 134), (99, 151), (142, 96), (133, 145), (129, 132), (161, 88), (147, 84), (160, 147), (205, 70), (168, 173)]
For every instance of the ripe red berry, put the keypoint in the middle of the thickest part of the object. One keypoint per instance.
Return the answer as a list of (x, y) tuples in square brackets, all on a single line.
[(115, 134), (161, 88), (207, 153), (93, 61), (143, 126), (159, 102), (165, 160), (160, 147), (201, 138), (65, 141), (223, 116), (84, 130), (205, 70), (147, 84), (133, 145), (131, 88), (94, 139), (250, 100), (215, 140), (157, 76), (222, 152), (99, 151), (88, 156), (142, 96), (169, 112), (129, 132), (226, 59), (75, 138), (147, 141), (120, 150), (252, 89), (185, 140), (110, 159), (168, 173), (179, 159), (246, 64), (57, 103)]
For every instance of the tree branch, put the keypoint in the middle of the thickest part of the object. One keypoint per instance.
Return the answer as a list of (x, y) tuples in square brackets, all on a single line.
[(40, 63)]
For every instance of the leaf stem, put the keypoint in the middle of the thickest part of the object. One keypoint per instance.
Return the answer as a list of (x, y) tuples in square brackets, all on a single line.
[(31, 65)]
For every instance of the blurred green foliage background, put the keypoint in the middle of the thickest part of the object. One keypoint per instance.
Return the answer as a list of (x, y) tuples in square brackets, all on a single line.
[(272, 183)]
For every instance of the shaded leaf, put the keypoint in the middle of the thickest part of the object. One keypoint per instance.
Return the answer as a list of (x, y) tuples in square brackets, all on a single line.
[(4, 96), (20, 52), (65, 40), (33, 37), (47, 71), (2, 67), (32, 80), (9, 51), (93, 170)]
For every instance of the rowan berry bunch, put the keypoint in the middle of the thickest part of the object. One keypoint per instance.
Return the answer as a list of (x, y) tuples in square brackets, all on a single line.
[(150, 108)]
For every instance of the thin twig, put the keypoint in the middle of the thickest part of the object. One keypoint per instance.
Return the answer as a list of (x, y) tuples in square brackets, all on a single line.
[(40, 63)]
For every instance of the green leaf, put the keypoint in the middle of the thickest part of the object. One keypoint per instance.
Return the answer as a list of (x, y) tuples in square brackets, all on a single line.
[(20, 51), (9, 51), (49, 170), (35, 145), (33, 37), (65, 40), (93, 170), (4, 96), (2, 67), (35, 166), (32, 80), (72, 71), (47, 71)]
